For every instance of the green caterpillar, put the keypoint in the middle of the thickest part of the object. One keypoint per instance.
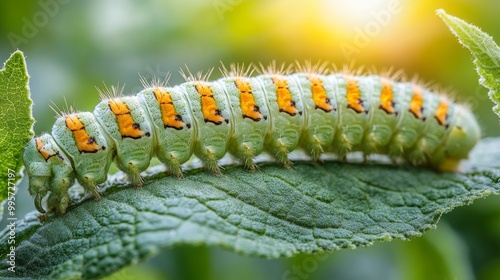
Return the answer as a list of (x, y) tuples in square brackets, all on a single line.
[(245, 116)]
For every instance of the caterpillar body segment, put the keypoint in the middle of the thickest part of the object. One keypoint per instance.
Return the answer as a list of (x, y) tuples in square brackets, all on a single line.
[(286, 115), (383, 117), (211, 113), (432, 132), (245, 116), (173, 130), (353, 96), (128, 127), (320, 112), (250, 113), (88, 147)]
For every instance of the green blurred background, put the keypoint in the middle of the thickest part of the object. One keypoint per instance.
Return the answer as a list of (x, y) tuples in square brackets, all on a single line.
[(73, 46)]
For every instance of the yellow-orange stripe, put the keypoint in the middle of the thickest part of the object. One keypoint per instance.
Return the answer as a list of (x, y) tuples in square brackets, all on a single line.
[(353, 95), (442, 112), (126, 124), (285, 102), (319, 96), (417, 103), (247, 101), (169, 115), (208, 105), (386, 97), (84, 142)]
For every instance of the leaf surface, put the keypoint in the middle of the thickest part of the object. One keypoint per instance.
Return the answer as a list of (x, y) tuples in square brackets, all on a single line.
[(16, 123), (271, 213)]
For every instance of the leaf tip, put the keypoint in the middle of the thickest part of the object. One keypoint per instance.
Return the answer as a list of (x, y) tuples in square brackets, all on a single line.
[(440, 12), (16, 57), (445, 17)]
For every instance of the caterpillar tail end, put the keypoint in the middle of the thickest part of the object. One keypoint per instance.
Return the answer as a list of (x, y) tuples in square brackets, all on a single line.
[(464, 135)]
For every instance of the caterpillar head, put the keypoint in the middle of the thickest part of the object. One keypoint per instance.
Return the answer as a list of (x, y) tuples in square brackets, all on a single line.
[(48, 168), (464, 134)]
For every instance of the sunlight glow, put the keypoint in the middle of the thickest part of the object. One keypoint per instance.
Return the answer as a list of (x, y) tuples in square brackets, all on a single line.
[(355, 12)]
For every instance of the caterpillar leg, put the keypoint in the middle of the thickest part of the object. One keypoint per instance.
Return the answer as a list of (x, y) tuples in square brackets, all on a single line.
[(316, 148), (95, 193), (38, 202), (133, 170), (173, 160), (135, 176), (210, 155), (342, 146), (281, 154), (365, 158), (58, 199), (210, 161), (419, 153), (246, 156), (58, 203), (402, 142), (89, 184), (245, 148), (175, 169)]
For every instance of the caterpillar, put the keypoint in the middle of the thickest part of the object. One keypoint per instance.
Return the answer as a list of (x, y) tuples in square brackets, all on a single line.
[(245, 115)]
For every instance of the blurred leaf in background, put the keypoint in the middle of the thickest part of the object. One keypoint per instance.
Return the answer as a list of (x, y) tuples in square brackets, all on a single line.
[(73, 46)]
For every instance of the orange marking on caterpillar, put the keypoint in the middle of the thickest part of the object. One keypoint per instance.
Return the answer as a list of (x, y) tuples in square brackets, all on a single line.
[(208, 105), (285, 102), (417, 103), (39, 146), (247, 101), (45, 154), (442, 112), (84, 142), (319, 96), (126, 124), (386, 97), (353, 96), (169, 115)]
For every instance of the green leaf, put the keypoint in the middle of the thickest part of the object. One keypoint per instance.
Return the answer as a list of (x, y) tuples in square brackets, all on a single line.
[(485, 51), (15, 122), (271, 213)]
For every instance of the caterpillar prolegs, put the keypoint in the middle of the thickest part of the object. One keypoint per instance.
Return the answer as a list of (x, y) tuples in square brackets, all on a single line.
[(245, 116)]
